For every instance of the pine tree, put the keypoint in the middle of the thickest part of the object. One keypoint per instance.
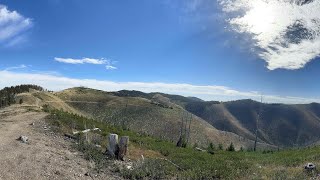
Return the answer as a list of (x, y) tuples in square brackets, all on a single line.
[(231, 147)]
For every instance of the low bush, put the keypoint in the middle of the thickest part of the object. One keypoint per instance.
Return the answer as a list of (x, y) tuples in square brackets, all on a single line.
[(150, 169), (186, 163), (211, 148), (231, 147)]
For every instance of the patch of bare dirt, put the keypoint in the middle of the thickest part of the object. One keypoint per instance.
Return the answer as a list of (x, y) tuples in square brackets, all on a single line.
[(45, 156)]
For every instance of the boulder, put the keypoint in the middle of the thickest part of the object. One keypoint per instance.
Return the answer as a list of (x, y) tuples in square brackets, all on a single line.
[(24, 139), (310, 166)]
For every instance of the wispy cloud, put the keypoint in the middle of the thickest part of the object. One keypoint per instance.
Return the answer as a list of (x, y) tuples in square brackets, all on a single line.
[(109, 67), (12, 25), (81, 61), (210, 92), (107, 62), (22, 66), (285, 32)]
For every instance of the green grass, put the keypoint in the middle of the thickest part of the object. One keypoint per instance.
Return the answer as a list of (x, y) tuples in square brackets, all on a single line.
[(286, 164)]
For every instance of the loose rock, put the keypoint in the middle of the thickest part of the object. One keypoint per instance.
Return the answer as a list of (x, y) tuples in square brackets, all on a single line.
[(24, 139), (310, 166)]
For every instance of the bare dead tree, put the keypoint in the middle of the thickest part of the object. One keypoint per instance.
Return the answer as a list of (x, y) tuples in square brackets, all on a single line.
[(184, 129), (257, 126), (180, 141), (189, 127), (125, 118), (185, 124)]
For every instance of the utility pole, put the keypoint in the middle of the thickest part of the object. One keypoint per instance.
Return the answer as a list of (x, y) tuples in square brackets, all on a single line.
[(257, 126)]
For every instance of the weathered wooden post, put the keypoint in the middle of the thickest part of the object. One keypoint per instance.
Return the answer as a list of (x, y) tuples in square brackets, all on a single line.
[(113, 145), (123, 147)]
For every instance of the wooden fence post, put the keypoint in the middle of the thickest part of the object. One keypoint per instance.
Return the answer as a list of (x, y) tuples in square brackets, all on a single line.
[(123, 147), (113, 145)]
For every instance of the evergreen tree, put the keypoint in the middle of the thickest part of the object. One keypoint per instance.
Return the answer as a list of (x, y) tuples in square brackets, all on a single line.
[(211, 148), (231, 147), (8, 94)]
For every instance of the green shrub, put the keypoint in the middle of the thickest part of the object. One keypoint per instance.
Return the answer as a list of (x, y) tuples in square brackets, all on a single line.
[(267, 151), (165, 152), (241, 149), (211, 148), (192, 164), (195, 145), (149, 169), (92, 153), (46, 108), (231, 147)]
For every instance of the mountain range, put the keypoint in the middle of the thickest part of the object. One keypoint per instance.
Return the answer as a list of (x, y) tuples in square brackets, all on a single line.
[(160, 115)]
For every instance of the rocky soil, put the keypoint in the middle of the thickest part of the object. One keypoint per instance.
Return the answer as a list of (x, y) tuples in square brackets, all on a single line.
[(45, 155)]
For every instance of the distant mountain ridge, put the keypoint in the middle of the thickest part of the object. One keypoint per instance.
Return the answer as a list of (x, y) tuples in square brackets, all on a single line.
[(160, 114), (285, 125), (157, 115)]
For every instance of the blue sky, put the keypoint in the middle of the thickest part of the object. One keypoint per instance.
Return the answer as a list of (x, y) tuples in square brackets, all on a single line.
[(160, 45)]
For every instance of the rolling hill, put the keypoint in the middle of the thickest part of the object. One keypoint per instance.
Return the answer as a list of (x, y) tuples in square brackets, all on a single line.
[(281, 125), (153, 114), (160, 115)]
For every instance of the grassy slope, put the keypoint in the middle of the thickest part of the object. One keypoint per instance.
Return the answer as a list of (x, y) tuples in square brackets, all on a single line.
[(287, 164), (139, 114), (287, 125), (39, 99), (284, 125)]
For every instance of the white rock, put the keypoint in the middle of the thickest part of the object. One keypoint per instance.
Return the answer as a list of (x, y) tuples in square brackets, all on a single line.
[(24, 139), (310, 166), (98, 146)]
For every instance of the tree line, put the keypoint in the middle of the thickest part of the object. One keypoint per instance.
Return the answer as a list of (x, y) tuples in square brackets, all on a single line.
[(7, 94)]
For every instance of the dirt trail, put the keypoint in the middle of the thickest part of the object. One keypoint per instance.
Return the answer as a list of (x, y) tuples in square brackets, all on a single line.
[(44, 157)]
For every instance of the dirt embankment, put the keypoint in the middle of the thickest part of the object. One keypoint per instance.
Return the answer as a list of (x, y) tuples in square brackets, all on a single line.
[(45, 156)]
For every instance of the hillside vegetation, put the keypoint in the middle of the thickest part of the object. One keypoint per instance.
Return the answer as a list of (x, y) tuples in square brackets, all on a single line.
[(160, 115), (281, 125), (166, 161), (153, 123), (147, 116), (7, 94), (155, 116)]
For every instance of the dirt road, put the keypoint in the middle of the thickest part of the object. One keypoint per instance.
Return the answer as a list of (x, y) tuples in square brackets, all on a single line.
[(44, 157)]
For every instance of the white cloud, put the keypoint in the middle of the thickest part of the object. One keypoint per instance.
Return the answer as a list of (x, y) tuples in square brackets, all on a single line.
[(80, 61), (286, 32), (22, 66), (109, 67), (12, 25), (107, 62), (221, 93)]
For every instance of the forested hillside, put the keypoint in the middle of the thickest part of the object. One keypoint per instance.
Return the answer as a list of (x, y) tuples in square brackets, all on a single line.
[(7, 94)]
